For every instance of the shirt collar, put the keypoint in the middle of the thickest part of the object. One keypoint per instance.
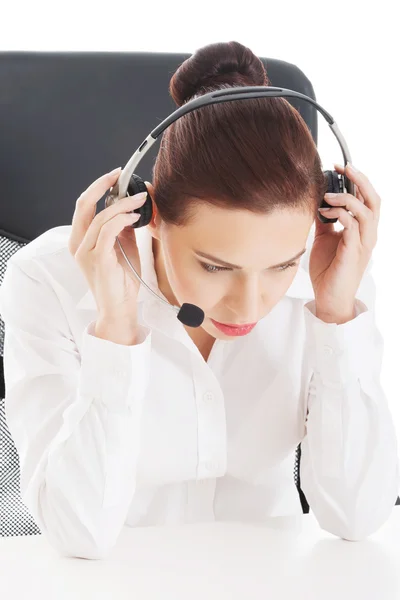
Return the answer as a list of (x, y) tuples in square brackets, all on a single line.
[(156, 314)]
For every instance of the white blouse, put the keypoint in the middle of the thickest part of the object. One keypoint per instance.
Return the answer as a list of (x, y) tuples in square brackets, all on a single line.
[(152, 434)]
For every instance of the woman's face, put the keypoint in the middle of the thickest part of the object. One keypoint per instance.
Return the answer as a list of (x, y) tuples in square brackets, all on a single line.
[(253, 242)]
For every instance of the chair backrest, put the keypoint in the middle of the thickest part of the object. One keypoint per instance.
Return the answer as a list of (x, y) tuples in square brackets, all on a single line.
[(66, 118)]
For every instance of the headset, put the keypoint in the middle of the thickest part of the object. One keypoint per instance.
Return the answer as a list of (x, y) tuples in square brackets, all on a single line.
[(129, 183)]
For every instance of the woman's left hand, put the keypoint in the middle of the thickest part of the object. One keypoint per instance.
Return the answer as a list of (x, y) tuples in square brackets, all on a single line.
[(338, 259)]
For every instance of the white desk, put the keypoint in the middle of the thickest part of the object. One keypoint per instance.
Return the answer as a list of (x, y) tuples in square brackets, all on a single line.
[(211, 561)]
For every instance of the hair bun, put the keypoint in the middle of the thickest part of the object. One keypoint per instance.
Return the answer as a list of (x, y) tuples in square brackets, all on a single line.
[(215, 66)]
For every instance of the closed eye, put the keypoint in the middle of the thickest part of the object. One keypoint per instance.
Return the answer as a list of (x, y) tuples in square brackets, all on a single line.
[(214, 269)]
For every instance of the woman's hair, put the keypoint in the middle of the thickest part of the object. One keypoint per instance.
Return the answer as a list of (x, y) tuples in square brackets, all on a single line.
[(256, 154)]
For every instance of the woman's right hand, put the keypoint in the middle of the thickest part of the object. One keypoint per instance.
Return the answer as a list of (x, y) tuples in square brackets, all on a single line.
[(93, 245)]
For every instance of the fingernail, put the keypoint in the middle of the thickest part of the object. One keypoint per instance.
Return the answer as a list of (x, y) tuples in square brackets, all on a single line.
[(330, 195), (326, 208), (115, 171), (140, 196)]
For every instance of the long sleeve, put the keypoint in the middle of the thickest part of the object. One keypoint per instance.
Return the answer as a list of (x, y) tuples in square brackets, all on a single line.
[(74, 417), (349, 466)]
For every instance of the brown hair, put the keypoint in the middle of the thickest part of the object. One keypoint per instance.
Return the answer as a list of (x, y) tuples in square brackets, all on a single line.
[(256, 154)]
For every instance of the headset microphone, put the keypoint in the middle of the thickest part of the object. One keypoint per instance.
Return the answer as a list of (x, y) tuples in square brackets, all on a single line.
[(129, 183)]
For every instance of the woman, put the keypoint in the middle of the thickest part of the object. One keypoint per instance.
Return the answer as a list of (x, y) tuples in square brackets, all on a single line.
[(124, 416)]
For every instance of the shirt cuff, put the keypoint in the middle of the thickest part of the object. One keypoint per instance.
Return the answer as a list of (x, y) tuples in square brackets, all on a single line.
[(340, 353)]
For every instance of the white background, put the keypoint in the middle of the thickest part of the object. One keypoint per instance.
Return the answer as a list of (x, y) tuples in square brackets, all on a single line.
[(348, 49)]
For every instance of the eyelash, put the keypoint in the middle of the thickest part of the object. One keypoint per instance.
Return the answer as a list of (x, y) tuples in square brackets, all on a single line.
[(215, 269)]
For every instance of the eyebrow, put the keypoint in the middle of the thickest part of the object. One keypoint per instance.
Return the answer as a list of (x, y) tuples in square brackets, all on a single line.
[(227, 264)]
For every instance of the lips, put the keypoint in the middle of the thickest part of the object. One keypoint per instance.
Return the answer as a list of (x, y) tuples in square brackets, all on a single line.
[(236, 325), (237, 330)]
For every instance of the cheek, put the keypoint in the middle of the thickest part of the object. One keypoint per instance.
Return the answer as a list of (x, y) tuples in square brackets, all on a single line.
[(199, 289), (197, 286)]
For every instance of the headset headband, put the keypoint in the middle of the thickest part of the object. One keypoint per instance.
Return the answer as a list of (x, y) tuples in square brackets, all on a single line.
[(225, 95)]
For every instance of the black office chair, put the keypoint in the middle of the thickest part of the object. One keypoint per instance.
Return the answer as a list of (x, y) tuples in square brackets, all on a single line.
[(66, 118)]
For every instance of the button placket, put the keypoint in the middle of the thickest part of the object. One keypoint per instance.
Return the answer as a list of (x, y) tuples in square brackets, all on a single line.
[(211, 466), (208, 397), (328, 350), (119, 372), (211, 421)]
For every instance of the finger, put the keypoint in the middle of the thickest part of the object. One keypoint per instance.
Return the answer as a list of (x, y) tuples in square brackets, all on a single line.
[(351, 203), (357, 193), (129, 203), (368, 192), (363, 214), (350, 224), (85, 207), (106, 239), (362, 220), (100, 186)]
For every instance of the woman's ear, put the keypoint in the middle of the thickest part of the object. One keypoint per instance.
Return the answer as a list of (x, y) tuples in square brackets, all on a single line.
[(150, 188), (154, 224)]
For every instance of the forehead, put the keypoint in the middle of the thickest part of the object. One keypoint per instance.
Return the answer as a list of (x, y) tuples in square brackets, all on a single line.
[(215, 230)]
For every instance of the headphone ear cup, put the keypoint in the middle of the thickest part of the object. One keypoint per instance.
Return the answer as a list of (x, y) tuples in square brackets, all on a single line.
[(334, 184), (136, 185)]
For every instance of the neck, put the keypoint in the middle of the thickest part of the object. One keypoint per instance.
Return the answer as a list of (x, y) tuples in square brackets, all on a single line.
[(159, 267)]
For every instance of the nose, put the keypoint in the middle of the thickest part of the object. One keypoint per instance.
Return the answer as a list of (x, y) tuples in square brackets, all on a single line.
[(246, 302)]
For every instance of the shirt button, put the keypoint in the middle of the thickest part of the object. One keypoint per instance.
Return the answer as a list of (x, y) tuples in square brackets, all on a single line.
[(119, 372), (211, 466), (328, 350), (208, 397)]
